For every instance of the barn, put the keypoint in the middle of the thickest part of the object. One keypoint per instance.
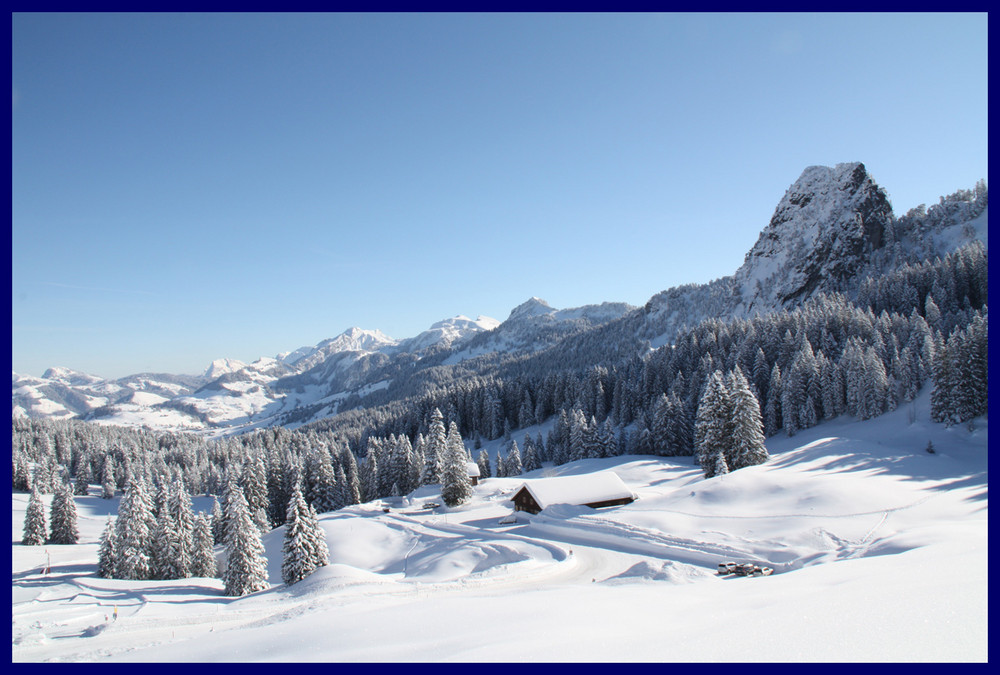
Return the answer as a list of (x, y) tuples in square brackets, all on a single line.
[(603, 488)]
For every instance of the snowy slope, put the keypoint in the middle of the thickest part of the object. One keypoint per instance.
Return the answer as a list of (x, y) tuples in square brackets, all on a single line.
[(879, 550)]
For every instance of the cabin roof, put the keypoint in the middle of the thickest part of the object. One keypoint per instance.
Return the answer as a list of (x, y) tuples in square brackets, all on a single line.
[(588, 488), (473, 469)]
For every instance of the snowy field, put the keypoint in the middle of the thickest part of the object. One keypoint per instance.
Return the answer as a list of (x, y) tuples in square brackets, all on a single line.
[(879, 552)]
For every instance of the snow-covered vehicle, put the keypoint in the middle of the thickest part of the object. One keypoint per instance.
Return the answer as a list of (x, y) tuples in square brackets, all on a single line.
[(744, 569)]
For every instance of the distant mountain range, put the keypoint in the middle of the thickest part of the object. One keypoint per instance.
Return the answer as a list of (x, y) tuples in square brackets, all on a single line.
[(833, 228)]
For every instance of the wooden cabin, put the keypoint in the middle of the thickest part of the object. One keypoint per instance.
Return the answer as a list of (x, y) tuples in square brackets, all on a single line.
[(603, 488)]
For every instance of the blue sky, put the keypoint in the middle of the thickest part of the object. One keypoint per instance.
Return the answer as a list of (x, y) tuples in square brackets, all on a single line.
[(188, 187)]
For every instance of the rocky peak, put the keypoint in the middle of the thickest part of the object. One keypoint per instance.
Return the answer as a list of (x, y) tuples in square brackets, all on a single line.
[(824, 228), (530, 308)]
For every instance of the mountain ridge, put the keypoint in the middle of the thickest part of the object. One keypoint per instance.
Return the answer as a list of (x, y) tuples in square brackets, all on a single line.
[(833, 227)]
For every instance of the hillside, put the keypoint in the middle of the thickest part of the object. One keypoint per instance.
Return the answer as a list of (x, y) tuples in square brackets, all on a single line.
[(879, 550), (833, 230)]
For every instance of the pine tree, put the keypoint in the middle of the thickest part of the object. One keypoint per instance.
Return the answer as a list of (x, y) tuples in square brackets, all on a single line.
[(81, 481), (483, 461), (304, 548), (713, 433), (456, 487), (747, 440), (434, 449), (203, 556), (514, 466), (35, 529), (107, 552), (369, 476), (108, 479), (719, 465), (530, 461), (134, 532), (63, 518), (246, 566), (162, 552), (218, 526)]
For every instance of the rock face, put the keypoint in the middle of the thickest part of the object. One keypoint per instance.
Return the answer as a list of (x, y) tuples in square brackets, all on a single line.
[(825, 227)]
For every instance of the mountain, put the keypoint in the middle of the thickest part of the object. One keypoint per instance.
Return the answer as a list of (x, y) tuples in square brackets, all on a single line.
[(823, 232), (832, 231)]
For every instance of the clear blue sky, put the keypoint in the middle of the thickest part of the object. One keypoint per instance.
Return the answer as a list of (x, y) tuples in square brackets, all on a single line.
[(190, 187)]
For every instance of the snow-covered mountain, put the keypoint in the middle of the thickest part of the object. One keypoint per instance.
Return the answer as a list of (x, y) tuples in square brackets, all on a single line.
[(447, 332), (833, 228), (822, 234)]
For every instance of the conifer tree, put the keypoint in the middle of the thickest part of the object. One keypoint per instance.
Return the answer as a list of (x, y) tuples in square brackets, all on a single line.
[(35, 529), (246, 566), (483, 461), (456, 487), (135, 526), (63, 518), (747, 440), (81, 481), (203, 562), (513, 461), (218, 531), (107, 552), (182, 520), (369, 476), (434, 448), (108, 478), (719, 466), (304, 548), (163, 550), (352, 482), (713, 431)]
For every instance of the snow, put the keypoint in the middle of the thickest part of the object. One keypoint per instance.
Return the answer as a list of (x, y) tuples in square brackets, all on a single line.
[(599, 486), (220, 367), (879, 551)]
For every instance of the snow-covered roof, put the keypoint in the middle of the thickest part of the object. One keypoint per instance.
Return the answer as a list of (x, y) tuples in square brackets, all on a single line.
[(587, 488), (473, 469)]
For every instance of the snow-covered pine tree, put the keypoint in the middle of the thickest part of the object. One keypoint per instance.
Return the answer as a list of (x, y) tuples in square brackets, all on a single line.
[(22, 472), (182, 516), (162, 560), (108, 484), (62, 522), (456, 487), (719, 466), (773, 414), (304, 548), (135, 526), (352, 482), (513, 461), (107, 552), (434, 448), (369, 476), (246, 566), (203, 555), (35, 529), (747, 442), (483, 461), (218, 526), (713, 431), (81, 480), (324, 497), (530, 461)]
